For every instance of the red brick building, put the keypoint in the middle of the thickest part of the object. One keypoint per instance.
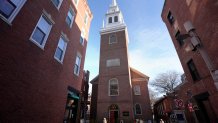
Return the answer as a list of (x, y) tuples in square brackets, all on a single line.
[(119, 93), (41, 66), (192, 25)]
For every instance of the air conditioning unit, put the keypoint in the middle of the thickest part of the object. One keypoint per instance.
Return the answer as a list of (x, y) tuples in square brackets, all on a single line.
[(195, 41), (188, 26)]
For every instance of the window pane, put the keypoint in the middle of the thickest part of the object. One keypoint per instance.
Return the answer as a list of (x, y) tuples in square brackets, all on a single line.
[(56, 2), (38, 35), (110, 19), (76, 1), (78, 60), (44, 25), (76, 69), (16, 2), (61, 44), (68, 20), (116, 19), (6, 8), (81, 39), (85, 18), (59, 53)]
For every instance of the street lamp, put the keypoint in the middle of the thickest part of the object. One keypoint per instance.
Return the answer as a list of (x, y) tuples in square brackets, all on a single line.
[(197, 45)]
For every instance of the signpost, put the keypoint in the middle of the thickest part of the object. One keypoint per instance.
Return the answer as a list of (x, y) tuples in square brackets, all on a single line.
[(179, 103)]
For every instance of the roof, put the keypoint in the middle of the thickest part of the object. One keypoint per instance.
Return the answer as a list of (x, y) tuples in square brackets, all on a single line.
[(95, 80), (139, 73)]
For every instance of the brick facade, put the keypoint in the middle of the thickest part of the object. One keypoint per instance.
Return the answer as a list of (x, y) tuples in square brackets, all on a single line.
[(127, 78), (204, 18), (34, 85)]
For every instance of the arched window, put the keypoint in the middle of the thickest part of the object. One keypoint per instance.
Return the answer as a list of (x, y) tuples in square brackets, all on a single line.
[(138, 110), (110, 20), (116, 19), (112, 39), (113, 87)]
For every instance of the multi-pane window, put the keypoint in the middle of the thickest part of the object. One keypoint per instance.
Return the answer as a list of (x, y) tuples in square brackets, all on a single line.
[(57, 3), (110, 20), (113, 87), (61, 48), (116, 19), (41, 32), (82, 37), (137, 90), (76, 2), (112, 39), (10, 8), (77, 65), (138, 110), (70, 17), (86, 18), (193, 70), (170, 18), (180, 41)]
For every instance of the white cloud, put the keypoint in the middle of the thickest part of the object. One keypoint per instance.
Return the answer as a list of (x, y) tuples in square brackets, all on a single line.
[(153, 52)]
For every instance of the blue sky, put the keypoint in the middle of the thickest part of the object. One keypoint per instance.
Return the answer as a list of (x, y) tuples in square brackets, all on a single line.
[(151, 50)]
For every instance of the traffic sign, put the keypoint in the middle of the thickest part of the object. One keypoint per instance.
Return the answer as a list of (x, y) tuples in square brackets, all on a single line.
[(173, 118), (179, 103)]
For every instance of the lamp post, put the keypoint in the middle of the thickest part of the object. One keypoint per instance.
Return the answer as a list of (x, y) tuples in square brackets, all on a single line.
[(197, 45)]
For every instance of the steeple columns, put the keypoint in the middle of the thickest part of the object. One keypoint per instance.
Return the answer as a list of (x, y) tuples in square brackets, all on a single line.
[(114, 2)]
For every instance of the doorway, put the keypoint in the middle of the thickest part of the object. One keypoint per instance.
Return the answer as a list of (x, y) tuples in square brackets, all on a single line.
[(113, 114)]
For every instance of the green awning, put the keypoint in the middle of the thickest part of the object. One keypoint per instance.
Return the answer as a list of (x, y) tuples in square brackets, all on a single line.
[(72, 95)]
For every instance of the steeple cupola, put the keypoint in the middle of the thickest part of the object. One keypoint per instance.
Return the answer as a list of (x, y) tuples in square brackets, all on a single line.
[(113, 18)]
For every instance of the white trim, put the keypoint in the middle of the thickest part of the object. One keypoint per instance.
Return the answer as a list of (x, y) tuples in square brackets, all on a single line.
[(76, 4), (117, 82), (73, 18), (83, 33), (113, 29), (14, 14), (64, 50), (77, 72), (58, 7), (140, 109), (86, 19), (47, 33)]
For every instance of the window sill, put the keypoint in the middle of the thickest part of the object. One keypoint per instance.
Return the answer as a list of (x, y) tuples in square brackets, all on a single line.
[(40, 46), (5, 20), (76, 74), (61, 62)]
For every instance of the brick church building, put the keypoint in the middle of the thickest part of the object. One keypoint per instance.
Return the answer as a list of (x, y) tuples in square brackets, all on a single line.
[(119, 93)]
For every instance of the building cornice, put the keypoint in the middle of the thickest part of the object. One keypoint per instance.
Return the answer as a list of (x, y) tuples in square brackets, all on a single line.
[(113, 29)]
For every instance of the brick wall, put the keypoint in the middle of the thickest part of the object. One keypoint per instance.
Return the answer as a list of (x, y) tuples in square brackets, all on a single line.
[(33, 84)]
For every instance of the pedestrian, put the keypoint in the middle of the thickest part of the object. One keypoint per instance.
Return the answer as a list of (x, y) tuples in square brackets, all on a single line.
[(104, 120), (161, 121)]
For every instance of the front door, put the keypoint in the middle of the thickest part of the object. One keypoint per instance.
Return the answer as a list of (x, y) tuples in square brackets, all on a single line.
[(114, 115)]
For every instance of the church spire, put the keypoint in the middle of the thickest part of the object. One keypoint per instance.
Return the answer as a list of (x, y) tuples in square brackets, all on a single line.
[(114, 2), (113, 18)]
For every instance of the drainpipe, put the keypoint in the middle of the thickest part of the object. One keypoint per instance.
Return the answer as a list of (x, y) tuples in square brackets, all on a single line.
[(196, 43)]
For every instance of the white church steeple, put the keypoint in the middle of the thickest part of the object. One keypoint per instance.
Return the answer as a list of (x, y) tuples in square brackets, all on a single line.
[(114, 2), (113, 18)]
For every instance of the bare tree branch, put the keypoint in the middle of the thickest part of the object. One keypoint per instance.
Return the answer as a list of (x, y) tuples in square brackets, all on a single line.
[(166, 82)]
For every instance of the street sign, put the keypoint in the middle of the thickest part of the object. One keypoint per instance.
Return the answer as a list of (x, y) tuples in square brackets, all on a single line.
[(173, 118), (179, 103), (190, 107)]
